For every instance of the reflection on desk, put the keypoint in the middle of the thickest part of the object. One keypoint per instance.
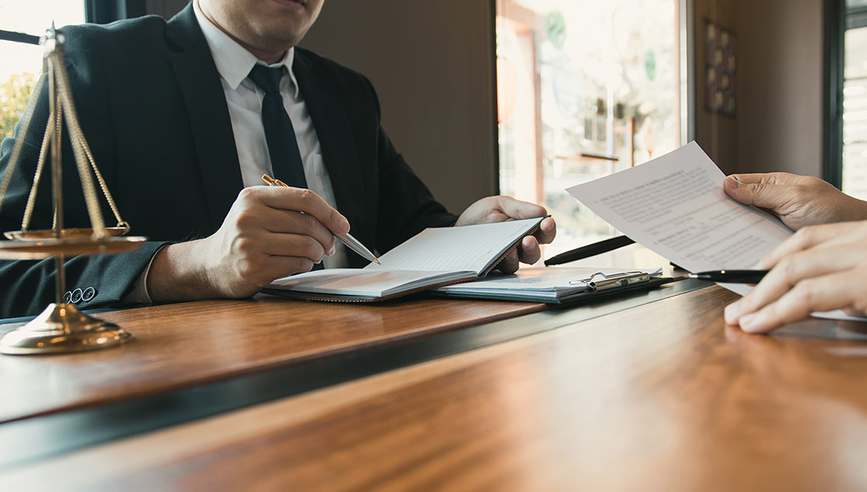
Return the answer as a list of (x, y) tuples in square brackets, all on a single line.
[(656, 396)]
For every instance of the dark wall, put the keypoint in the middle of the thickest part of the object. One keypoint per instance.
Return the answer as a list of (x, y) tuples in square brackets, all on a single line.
[(778, 125)]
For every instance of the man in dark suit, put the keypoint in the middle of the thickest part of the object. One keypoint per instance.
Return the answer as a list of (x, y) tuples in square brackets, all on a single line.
[(175, 127)]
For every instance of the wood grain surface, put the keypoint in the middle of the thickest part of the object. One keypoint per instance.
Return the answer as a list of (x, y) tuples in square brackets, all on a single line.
[(662, 396), (186, 344)]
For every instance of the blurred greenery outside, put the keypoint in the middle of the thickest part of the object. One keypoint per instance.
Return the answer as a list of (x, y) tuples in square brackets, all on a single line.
[(14, 94), (594, 89)]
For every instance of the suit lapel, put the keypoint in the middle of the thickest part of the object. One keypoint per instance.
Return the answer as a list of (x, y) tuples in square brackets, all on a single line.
[(338, 146), (214, 141)]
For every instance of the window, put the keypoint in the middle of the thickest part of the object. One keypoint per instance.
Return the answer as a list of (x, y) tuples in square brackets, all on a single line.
[(585, 89), (22, 63), (854, 149)]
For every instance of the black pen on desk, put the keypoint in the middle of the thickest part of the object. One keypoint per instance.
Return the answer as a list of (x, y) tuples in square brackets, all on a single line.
[(730, 276), (348, 240), (589, 250)]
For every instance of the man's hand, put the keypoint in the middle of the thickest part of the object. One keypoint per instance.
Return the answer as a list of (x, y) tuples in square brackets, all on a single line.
[(502, 208), (270, 232), (797, 200), (820, 268)]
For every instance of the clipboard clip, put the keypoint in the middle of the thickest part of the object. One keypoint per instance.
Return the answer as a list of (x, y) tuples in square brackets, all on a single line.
[(601, 281)]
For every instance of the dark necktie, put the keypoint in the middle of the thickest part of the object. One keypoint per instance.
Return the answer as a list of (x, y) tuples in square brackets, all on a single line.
[(279, 133)]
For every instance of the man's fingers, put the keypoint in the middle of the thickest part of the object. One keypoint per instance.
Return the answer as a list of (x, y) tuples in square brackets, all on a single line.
[(261, 245), (510, 262), (302, 224), (776, 283), (301, 200), (794, 270), (528, 250), (253, 268), (779, 179), (814, 237), (502, 208), (760, 192), (275, 267), (295, 245), (798, 200), (804, 239), (782, 311), (517, 209), (281, 223), (499, 209), (823, 293), (547, 231)]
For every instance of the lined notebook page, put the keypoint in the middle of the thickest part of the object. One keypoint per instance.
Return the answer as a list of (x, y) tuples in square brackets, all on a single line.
[(466, 248)]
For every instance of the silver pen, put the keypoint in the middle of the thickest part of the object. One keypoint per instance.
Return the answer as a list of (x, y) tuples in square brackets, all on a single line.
[(347, 239)]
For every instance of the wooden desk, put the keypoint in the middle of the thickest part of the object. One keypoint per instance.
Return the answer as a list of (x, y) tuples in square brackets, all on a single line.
[(187, 344), (660, 396)]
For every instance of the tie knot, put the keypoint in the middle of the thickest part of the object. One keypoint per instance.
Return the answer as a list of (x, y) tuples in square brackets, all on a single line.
[(266, 78)]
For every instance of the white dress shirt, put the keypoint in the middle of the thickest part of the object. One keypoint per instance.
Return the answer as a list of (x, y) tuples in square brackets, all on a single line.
[(234, 64), (244, 99)]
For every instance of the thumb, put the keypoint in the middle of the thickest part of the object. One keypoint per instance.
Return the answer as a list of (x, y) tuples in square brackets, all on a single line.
[(758, 194), (518, 209)]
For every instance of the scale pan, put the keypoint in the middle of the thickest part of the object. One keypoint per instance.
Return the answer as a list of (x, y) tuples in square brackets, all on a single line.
[(37, 250), (72, 233)]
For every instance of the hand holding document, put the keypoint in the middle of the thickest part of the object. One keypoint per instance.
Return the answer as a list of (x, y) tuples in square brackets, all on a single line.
[(675, 206)]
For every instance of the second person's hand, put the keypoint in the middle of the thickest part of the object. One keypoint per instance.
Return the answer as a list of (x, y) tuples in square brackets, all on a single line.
[(820, 268), (797, 200)]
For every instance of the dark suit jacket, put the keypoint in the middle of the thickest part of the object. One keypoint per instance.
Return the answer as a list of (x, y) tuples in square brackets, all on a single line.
[(152, 107)]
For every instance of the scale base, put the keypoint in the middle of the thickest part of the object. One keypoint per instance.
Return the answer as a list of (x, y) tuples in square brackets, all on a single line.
[(62, 329)]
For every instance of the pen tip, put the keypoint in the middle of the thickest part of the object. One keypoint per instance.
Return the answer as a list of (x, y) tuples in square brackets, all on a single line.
[(376, 260)]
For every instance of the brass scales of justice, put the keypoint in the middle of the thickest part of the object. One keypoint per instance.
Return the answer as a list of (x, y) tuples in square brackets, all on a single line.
[(62, 328)]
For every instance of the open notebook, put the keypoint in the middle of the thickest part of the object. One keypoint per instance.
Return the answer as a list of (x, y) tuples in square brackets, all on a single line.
[(435, 256)]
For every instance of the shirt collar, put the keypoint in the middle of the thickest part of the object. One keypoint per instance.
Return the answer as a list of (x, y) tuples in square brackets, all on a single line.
[(233, 61)]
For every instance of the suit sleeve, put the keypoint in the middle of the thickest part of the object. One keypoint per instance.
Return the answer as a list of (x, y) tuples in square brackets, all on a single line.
[(406, 205), (28, 285)]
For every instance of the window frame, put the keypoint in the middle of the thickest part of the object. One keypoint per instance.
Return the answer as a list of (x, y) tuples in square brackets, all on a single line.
[(837, 20), (832, 126), (95, 12), (106, 11)]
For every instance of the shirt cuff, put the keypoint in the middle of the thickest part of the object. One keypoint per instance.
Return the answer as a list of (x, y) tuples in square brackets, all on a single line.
[(139, 294)]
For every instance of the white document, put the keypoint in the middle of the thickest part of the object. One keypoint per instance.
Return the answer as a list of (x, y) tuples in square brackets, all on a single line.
[(675, 206)]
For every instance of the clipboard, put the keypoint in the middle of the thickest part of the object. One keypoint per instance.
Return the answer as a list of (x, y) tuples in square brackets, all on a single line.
[(555, 287)]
